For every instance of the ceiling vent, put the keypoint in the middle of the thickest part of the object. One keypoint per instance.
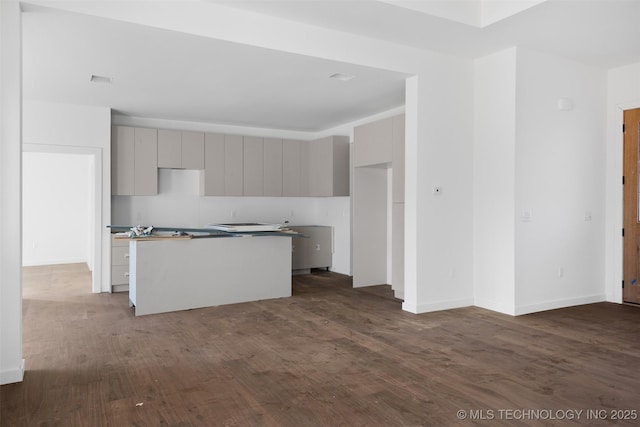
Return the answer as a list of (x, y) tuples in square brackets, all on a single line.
[(100, 79), (342, 77)]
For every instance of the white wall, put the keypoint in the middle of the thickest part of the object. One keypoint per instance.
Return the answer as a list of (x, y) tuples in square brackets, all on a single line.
[(494, 181), (559, 179), (84, 130), (439, 152), (623, 93), (539, 183), (56, 208), (11, 361)]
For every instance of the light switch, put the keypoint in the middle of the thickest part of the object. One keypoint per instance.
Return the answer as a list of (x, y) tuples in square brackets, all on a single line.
[(526, 216)]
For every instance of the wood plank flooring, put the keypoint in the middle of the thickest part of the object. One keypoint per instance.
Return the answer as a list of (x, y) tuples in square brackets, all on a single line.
[(328, 356)]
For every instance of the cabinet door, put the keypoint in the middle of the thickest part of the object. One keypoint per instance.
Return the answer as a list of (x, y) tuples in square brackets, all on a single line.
[(373, 143), (169, 149), (146, 162), (398, 159), (291, 168), (304, 168), (192, 150), (272, 167), (341, 148), (299, 249), (319, 250), (122, 160), (253, 166), (233, 165), (212, 177), (320, 167)]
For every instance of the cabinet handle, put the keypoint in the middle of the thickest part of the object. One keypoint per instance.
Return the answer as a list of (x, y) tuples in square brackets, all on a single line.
[(126, 274), (126, 255)]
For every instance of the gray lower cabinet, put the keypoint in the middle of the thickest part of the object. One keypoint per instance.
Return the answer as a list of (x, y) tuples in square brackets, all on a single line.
[(314, 250), (119, 264)]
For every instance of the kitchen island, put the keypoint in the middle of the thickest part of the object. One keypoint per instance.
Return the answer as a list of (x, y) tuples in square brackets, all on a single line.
[(181, 274)]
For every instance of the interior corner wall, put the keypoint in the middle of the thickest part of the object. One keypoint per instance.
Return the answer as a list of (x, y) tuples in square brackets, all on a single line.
[(439, 152), (559, 180), (623, 92), (56, 208), (11, 361), (54, 124), (494, 181)]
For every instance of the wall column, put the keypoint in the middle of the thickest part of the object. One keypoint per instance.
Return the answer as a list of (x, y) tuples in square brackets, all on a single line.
[(11, 362)]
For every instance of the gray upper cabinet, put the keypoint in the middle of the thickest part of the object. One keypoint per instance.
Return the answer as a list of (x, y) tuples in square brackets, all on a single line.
[(169, 148), (134, 161), (233, 165), (145, 179), (272, 166), (192, 150), (253, 166), (180, 149), (372, 143), (328, 166), (292, 184), (398, 159), (122, 160), (213, 175)]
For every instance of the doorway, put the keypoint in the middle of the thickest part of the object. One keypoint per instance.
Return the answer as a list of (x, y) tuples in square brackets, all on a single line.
[(631, 230), (92, 222)]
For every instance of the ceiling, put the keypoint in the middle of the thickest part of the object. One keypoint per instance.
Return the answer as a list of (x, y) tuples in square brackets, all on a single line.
[(169, 75)]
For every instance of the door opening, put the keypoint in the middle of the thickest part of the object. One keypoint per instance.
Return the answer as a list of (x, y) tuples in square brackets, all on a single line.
[(93, 157)]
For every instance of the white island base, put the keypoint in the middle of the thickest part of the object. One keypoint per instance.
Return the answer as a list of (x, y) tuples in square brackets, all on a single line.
[(170, 275)]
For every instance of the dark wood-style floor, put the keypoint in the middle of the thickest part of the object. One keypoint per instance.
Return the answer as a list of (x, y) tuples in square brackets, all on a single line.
[(328, 356)]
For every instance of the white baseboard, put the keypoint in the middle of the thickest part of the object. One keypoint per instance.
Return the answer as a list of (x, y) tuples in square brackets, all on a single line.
[(552, 305), (495, 306), (436, 306), (12, 376), (53, 262)]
